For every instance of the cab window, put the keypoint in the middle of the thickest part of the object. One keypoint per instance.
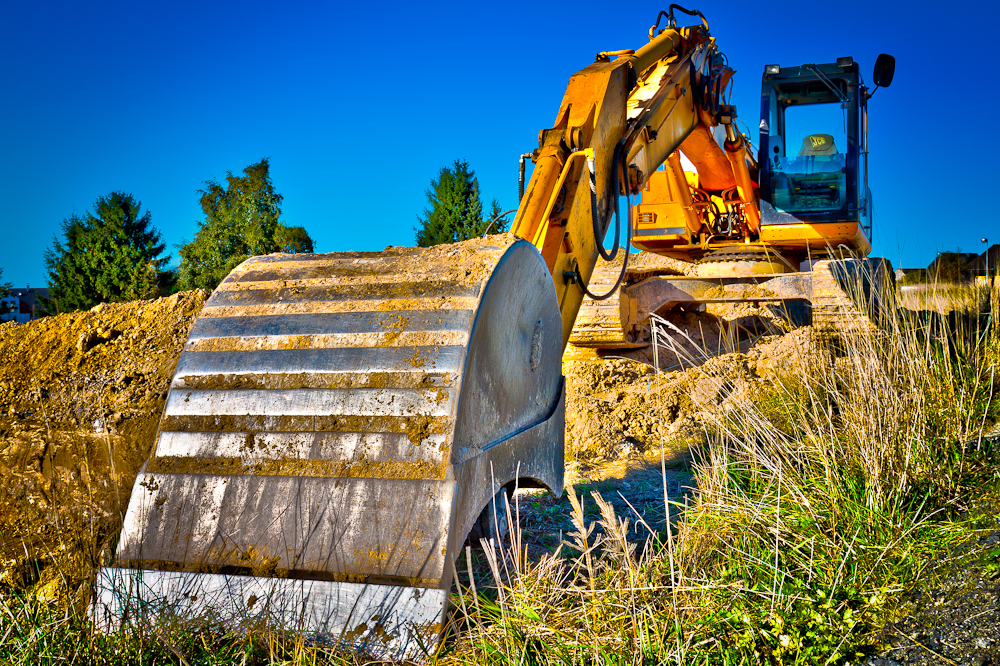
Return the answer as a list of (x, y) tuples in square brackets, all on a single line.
[(809, 172)]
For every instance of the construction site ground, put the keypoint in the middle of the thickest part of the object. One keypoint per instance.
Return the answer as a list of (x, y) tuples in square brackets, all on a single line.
[(81, 395)]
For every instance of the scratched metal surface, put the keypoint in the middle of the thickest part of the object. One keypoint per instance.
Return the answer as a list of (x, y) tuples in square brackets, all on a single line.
[(345, 418)]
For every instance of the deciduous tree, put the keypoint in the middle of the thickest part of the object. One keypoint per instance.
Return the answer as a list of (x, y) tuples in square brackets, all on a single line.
[(242, 220), (949, 267), (292, 240)]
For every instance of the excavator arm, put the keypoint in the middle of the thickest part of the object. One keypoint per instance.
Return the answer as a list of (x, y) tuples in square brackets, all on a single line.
[(619, 120)]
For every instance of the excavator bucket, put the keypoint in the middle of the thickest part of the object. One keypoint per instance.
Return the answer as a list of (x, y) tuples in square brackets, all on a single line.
[(336, 425)]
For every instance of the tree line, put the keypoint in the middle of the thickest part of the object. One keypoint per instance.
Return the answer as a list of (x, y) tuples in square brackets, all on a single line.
[(113, 252)]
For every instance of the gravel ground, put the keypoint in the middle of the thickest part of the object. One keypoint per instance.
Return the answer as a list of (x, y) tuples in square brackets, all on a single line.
[(955, 622)]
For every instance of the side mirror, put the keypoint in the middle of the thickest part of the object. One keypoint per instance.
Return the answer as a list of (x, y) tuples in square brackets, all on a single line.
[(885, 67)]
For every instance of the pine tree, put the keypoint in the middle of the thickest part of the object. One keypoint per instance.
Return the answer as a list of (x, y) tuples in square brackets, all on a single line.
[(107, 256), (242, 220), (495, 224), (456, 211)]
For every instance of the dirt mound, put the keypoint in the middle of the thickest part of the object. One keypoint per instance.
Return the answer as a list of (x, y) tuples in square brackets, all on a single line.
[(690, 338), (655, 264), (621, 407), (796, 353), (80, 398)]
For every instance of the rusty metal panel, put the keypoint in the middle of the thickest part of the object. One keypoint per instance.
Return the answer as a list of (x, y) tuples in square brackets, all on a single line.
[(325, 528), (309, 402), (332, 446), (345, 292), (323, 323), (404, 364)]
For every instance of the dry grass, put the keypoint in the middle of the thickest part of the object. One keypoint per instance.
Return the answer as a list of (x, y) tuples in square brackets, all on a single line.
[(820, 499), (943, 297)]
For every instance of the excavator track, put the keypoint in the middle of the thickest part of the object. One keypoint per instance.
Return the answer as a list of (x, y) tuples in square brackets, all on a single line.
[(851, 297), (847, 298), (336, 425), (619, 326), (599, 323)]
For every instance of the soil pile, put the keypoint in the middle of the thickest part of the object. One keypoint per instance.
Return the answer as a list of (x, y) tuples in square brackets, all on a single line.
[(618, 407), (690, 338), (80, 398)]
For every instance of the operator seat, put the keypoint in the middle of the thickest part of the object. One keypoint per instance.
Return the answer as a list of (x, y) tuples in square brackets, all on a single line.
[(816, 178), (818, 145), (818, 155)]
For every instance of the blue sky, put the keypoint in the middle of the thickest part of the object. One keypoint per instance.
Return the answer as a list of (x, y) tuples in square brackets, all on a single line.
[(359, 105)]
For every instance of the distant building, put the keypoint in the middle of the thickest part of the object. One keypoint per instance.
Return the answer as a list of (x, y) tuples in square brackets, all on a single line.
[(23, 304), (949, 259), (986, 263), (950, 267), (964, 266), (10, 306)]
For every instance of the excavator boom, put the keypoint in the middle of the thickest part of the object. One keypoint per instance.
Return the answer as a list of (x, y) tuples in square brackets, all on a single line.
[(619, 119)]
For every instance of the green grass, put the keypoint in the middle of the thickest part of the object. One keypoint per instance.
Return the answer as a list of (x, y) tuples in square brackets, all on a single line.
[(820, 501), (33, 632)]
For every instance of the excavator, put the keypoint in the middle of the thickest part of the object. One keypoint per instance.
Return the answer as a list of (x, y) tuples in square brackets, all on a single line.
[(339, 424)]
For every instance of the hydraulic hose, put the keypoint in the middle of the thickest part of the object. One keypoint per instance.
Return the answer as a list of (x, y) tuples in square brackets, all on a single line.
[(600, 234), (577, 277)]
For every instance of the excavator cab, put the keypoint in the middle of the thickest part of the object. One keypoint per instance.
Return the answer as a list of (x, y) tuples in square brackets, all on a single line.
[(810, 179), (813, 145)]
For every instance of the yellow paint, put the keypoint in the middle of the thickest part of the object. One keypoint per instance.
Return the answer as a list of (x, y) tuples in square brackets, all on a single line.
[(645, 102), (555, 213)]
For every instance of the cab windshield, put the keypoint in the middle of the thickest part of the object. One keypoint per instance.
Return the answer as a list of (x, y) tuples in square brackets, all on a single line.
[(810, 173)]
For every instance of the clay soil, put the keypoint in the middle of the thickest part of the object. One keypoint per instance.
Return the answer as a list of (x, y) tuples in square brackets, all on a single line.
[(80, 398)]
